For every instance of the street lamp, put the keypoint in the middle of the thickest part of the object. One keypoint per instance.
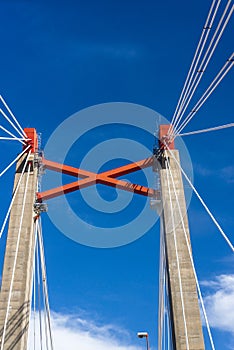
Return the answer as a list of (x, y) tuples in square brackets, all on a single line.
[(146, 336)]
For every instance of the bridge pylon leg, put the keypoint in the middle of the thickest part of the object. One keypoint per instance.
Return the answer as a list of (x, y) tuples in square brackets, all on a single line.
[(185, 313), (16, 291)]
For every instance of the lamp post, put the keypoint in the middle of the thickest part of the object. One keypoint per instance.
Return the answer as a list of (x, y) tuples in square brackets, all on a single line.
[(146, 336)]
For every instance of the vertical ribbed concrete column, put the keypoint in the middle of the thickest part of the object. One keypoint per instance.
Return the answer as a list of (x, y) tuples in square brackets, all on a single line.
[(174, 236), (20, 301)]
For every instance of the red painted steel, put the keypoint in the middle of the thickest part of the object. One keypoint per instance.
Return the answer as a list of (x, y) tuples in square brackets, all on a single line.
[(65, 169), (108, 178), (129, 168), (33, 139), (89, 178), (163, 137)]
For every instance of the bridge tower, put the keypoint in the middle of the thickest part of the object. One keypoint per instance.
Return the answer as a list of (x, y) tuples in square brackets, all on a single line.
[(185, 313), (16, 287)]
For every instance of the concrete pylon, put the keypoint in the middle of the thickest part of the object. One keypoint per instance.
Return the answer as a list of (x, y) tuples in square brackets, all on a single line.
[(18, 298), (183, 296)]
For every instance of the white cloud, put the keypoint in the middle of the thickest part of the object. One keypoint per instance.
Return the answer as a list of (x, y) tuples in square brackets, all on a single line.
[(202, 170), (220, 302), (227, 174), (73, 332)]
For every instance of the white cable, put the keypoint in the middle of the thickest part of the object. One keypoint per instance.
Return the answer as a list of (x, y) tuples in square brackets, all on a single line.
[(168, 327), (160, 320), (15, 160), (202, 68), (164, 320), (45, 318), (34, 287), (34, 307), (206, 30), (15, 260), (168, 332), (207, 130), (167, 306), (11, 139), (12, 124), (161, 289), (44, 279), (219, 77), (14, 195), (41, 277), (205, 96), (39, 293), (186, 94), (192, 263), (203, 203), (177, 258), (5, 104), (33, 292), (10, 133)]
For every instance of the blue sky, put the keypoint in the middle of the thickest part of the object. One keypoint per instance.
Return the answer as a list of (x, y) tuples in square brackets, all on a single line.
[(58, 57)]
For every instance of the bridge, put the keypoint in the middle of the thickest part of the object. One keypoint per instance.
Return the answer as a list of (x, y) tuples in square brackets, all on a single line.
[(179, 290)]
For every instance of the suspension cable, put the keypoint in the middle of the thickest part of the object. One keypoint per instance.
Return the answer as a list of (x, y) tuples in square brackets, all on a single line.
[(44, 280), (192, 262), (32, 311), (45, 311), (177, 257), (39, 292), (15, 160), (204, 64), (168, 308), (12, 124), (14, 118), (3, 138), (14, 195), (161, 288), (202, 202), (15, 260), (10, 133), (205, 32), (34, 292), (207, 130), (165, 313), (219, 77), (43, 299)]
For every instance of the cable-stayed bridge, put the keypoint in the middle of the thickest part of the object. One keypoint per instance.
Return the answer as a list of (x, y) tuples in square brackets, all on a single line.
[(179, 291)]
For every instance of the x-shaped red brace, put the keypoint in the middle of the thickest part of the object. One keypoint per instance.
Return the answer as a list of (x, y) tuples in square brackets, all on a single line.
[(89, 178)]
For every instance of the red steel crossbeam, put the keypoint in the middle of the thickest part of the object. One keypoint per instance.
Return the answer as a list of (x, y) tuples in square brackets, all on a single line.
[(89, 178), (108, 178)]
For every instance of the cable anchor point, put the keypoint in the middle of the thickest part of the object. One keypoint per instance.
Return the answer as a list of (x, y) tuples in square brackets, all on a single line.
[(39, 208)]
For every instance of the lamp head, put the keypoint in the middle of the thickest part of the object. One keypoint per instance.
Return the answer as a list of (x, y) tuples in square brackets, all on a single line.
[(142, 335)]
